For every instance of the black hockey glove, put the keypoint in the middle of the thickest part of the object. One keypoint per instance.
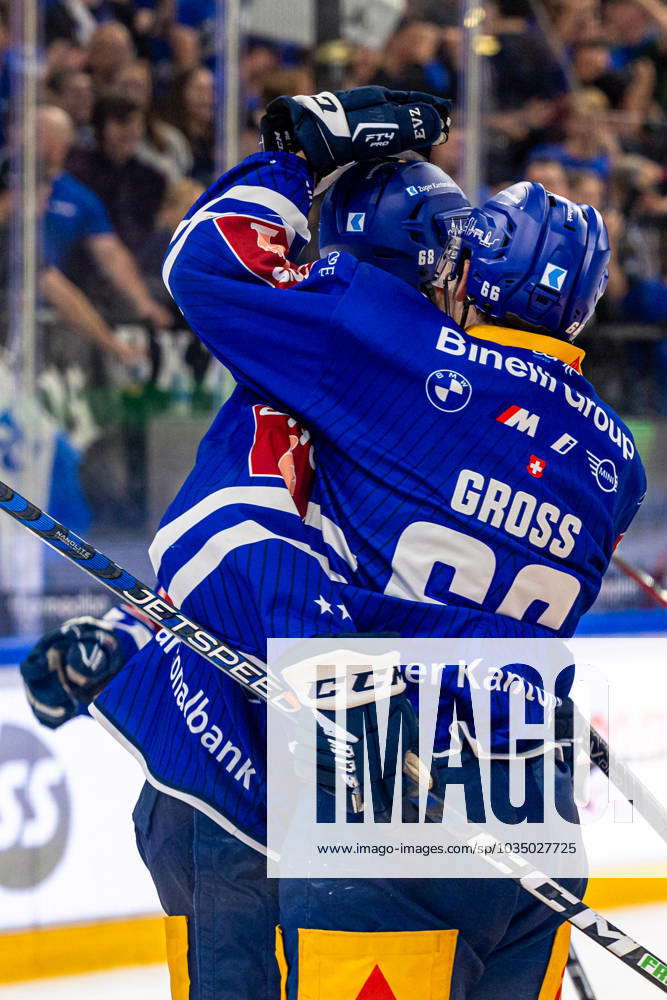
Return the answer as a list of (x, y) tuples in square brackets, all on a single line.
[(385, 757), (69, 667), (361, 124)]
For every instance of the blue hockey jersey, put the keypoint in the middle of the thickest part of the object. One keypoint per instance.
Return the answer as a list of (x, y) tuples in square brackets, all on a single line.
[(241, 549), (477, 477), (468, 482)]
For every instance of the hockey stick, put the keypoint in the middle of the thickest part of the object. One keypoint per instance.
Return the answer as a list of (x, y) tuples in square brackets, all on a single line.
[(580, 980), (255, 680), (634, 790), (541, 886), (234, 664), (643, 580)]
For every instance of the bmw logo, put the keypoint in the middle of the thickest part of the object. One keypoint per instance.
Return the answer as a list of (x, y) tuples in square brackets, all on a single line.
[(448, 391)]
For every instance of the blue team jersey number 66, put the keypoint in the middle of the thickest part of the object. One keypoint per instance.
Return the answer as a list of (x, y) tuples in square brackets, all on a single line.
[(423, 544)]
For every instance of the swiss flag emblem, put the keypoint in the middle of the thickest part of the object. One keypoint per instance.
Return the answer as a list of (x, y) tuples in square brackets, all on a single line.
[(376, 987), (536, 466)]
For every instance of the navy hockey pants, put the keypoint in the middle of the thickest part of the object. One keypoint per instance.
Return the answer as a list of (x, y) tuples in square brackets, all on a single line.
[(448, 939)]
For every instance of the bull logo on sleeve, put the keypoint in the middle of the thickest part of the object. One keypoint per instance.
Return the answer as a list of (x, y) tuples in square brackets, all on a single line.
[(282, 448), (262, 248)]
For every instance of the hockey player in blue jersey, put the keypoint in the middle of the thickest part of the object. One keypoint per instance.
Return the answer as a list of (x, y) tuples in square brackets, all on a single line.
[(479, 481), (258, 253), (249, 494)]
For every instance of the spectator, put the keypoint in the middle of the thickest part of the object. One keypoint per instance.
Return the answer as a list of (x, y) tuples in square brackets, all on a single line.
[(522, 64), (512, 134), (656, 50), (177, 201), (74, 214), (191, 111), (4, 70), (643, 296), (552, 175), (72, 90), (574, 20), (193, 34), (131, 191), (289, 82), (162, 145), (364, 64), (413, 60), (588, 188), (592, 65), (258, 64), (73, 308), (588, 142), (449, 155), (109, 49), (631, 29)]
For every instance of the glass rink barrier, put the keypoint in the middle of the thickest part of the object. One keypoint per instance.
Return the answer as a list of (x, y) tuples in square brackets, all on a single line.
[(115, 117)]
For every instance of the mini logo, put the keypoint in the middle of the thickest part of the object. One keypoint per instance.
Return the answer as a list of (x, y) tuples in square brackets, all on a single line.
[(553, 277), (412, 190), (448, 391), (356, 222), (536, 466), (604, 472)]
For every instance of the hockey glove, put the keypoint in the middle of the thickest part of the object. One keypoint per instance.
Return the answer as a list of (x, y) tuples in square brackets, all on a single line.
[(361, 124), (69, 667), (338, 750)]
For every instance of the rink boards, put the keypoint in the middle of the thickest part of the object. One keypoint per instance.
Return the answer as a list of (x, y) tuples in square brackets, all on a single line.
[(74, 893)]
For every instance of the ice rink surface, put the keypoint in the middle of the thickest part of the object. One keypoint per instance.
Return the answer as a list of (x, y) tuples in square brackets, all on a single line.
[(611, 980)]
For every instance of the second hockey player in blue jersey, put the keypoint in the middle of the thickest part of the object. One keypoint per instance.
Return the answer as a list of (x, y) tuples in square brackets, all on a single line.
[(479, 481)]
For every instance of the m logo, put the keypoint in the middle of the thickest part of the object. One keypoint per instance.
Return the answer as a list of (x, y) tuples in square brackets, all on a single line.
[(553, 277), (522, 420), (356, 222)]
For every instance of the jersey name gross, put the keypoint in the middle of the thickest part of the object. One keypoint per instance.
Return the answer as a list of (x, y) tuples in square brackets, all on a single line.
[(516, 512), (452, 342)]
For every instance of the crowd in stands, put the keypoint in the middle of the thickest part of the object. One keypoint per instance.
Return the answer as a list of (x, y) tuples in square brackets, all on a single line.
[(575, 96)]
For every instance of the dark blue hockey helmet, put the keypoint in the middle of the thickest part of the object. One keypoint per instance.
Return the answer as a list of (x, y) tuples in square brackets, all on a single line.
[(537, 261), (396, 214)]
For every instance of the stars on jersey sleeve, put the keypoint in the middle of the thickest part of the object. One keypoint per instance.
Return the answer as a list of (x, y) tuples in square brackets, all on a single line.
[(327, 609)]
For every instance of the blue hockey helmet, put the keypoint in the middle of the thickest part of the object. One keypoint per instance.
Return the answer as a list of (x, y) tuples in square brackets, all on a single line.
[(537, 261), (396, 214)]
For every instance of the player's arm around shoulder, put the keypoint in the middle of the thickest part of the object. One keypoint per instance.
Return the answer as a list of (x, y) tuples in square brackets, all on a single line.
[(234, 255), (251, 224)]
